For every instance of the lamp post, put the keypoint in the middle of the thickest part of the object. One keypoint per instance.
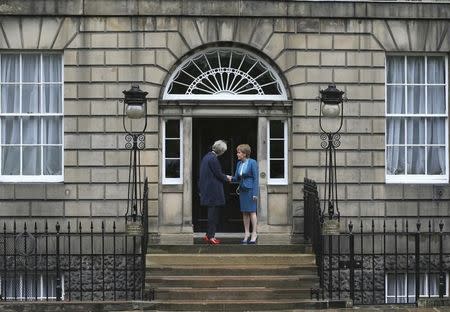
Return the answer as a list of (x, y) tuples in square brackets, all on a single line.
[(134, 108), (332, 108)]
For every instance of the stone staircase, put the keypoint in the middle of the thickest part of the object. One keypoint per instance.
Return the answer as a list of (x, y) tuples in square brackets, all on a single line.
[(233, 277)]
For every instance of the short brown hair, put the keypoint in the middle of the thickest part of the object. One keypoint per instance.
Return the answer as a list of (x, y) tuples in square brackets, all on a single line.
[(244, 148)]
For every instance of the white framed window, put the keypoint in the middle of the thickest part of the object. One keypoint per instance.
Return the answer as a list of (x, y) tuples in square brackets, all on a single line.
[(277, 152), (401, 287), (31, 117), (225, 73), (172, 151), (17, 288), (416, 119)]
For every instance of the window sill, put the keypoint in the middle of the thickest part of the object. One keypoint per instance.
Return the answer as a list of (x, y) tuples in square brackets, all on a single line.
[(411, 179), (32, 179)]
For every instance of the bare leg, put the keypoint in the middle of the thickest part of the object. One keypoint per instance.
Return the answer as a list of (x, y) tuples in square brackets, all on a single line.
[(246, 219), (254, 220)]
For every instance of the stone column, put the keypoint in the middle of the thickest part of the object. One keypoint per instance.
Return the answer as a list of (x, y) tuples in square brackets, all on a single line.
[(186, 226), (262, 165)]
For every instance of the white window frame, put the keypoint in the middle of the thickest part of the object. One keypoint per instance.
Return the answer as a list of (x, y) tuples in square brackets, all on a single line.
[(417, 178), (41, 296), (172, 180), (278, 181), (221, 86), (36, 178), (405, 281)]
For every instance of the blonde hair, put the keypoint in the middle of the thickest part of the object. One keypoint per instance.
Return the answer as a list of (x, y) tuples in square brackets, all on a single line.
[(244, 148)]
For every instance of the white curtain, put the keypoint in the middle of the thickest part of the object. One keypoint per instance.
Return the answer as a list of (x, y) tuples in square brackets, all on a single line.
[(414, 129), (29, 145), (10, 75)]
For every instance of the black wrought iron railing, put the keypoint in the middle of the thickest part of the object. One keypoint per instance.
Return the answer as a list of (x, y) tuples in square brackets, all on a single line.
[(83, 261), (378, 261)]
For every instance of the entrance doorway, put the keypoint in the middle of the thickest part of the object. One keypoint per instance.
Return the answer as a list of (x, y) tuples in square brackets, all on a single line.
[(234, 131)]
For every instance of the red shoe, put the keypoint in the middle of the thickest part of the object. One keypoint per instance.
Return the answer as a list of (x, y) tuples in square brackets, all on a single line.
[(205, 239), (214, 241)]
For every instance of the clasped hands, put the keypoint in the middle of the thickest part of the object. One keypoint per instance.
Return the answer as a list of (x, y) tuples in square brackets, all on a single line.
[(229, 178)]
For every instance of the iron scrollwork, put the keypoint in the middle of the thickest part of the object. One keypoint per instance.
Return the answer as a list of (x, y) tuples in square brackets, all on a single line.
[(135, 140)]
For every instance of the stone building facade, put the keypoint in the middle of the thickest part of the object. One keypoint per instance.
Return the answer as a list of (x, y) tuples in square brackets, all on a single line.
[(107, 45)]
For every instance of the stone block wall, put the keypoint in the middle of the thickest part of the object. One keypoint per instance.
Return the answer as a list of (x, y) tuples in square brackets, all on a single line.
[(107, 45)]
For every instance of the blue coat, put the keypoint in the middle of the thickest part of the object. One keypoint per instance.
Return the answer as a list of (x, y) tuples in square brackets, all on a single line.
[(211, 181), (249, 180)]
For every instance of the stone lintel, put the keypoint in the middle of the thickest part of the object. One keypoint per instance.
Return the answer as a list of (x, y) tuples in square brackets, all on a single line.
[(250, 8)]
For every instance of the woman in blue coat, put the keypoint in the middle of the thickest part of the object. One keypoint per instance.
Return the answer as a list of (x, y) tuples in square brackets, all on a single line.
[(211, 188), (247, 175)]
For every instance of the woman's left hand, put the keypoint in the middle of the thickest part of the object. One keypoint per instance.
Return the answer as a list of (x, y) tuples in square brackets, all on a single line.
[(255, 198)]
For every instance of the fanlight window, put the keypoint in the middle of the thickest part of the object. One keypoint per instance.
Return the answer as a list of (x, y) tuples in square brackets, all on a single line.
[(225, 74)]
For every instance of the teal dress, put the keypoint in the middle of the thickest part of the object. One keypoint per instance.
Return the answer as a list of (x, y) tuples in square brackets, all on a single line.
[(247, 175)]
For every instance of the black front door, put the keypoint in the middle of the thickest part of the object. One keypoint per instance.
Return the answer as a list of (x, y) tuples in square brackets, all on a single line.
[(234, 131)]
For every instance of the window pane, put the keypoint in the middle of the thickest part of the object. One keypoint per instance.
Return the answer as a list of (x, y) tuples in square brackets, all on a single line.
[(395, 160), (10, 98), (172, 168), (415, 160), (416, 100), (276, 149), (10, 160), (436, 69), (395, 130), (412, 284), (30, 67), (415, 128), (395, 69), (436, 100), (172, 148), (172, 128), (391, 285), (10, 68), (51, 68), (277, 169), (436, 130), (30, 99), (52, 130), (52, 160), (31, 130), (433, 282), (395, 100), (415, 69), (52, 98), (276, 129), (10, 130), (436, 160), (31, 164)]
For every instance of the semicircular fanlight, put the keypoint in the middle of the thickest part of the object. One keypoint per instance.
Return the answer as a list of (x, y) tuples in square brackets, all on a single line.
[(225, 74)]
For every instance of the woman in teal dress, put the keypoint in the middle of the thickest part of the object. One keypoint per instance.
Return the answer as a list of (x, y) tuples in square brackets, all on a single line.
[(247, 176)]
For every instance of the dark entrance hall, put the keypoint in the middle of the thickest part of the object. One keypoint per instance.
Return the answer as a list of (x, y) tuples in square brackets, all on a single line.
[(234, 131)]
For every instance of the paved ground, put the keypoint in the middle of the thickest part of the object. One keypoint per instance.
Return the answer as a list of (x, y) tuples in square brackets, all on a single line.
[(386, 308)]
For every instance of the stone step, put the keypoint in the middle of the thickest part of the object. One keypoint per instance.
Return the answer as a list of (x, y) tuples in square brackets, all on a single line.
[(245, 305), (228, 248), (268, 281), (235, 293), (162, 270), (230, 259)]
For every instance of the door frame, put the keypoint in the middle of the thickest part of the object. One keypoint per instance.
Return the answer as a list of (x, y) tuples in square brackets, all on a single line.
[(186, 111)]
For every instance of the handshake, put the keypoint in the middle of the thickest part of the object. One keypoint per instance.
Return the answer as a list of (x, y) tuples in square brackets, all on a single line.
[(229, 178)]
